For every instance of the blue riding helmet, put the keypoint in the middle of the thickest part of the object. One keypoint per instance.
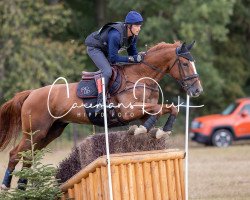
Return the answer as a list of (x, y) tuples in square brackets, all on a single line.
[(133, 17)]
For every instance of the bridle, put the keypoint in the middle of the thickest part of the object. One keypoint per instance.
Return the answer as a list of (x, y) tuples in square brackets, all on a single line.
[(183, 78)]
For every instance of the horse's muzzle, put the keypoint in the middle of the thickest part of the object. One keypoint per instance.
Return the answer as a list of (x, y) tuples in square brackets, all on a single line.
[(195, 92)]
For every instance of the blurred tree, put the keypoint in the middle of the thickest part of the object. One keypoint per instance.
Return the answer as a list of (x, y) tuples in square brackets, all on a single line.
[(84, 18), (36, 46), (100, 12), (233, 55)]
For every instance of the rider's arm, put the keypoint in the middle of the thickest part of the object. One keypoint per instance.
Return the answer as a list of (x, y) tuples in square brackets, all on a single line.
[(114, 46), (132, 49)]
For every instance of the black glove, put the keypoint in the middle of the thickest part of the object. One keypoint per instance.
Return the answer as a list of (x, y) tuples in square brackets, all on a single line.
[(136, 58)]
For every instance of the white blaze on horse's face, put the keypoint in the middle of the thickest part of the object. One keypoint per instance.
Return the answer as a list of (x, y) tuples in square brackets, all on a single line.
[(194, 68), (197, 90)]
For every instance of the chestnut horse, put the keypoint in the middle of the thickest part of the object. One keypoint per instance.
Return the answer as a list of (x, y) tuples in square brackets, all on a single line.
[(51, 109)]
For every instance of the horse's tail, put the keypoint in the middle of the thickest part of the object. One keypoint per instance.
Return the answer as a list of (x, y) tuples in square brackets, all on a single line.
[(10, 118)]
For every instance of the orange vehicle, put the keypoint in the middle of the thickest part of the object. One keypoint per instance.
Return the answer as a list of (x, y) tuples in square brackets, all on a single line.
[(221, 129)]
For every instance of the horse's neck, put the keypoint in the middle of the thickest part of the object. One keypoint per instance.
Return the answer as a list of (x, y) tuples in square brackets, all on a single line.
[(160, 59), (163, 60)]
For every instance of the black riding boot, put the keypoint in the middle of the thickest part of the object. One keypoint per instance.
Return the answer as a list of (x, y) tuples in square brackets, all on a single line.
[(99, 103)]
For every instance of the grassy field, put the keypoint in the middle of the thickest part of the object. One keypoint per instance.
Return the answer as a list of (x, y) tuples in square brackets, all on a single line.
[(213, 173), (216, 173)]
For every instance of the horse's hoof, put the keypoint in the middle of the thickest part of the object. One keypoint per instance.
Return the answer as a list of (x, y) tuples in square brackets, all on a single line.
[(4, 187), (141, 129), (153, 131), (131, 129), (159, 133)]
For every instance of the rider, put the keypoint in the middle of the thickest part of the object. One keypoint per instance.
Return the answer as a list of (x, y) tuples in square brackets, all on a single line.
[(103, 47)]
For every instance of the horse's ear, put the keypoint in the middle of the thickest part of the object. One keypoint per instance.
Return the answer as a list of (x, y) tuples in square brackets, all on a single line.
[(189, 47), (182, 48)]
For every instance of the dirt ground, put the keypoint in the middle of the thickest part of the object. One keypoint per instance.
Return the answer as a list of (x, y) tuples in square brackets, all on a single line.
[(214, 173)]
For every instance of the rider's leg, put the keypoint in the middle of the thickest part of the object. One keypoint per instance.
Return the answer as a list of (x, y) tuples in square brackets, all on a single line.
[(102, 63)]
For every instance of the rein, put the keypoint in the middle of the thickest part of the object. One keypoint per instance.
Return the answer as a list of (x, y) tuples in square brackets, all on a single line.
[(154, 68), (184, 78)]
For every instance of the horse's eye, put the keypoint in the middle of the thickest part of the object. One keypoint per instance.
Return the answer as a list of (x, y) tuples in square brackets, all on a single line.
[(185, 64)]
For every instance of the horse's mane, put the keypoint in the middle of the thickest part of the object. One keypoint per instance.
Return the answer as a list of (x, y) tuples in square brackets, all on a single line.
[(162, 45)]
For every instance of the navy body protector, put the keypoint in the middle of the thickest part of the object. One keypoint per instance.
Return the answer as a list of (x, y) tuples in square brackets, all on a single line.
[(99, 39)]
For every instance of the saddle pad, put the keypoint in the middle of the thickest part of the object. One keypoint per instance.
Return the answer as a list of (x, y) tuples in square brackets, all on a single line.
[(87, 89)]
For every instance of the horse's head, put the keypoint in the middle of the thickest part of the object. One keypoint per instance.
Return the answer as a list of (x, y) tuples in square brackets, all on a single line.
[(184, 71)]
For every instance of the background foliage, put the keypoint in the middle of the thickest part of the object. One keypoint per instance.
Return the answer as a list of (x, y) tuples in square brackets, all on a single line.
[(42, 40)]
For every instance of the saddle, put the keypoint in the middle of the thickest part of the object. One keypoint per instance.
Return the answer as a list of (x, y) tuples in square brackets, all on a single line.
[(88, 92), (87, 87)]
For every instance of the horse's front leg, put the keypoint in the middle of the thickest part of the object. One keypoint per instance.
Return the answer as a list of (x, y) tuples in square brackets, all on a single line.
[(153, 111), (146, 112), (167, 128), (148, 122)]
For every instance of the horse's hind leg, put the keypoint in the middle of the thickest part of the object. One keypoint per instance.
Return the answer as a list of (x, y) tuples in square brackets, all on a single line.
[(55, 131), (23, 145), (13, 160)]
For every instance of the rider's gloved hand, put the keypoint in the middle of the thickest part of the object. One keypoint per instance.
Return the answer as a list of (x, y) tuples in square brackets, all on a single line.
[(143, 53), (136, 58)]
